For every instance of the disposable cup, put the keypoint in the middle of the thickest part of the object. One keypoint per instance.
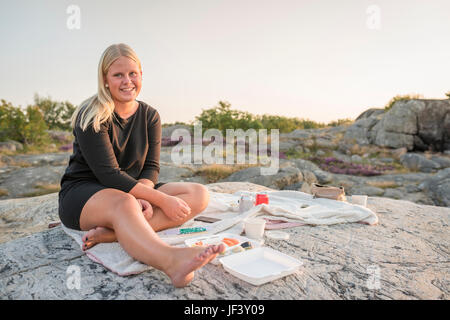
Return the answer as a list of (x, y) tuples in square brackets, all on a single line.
[(254, 228), (359, 199)]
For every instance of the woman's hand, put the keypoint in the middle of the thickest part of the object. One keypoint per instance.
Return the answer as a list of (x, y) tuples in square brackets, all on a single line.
[(175, 208), (147, 209)]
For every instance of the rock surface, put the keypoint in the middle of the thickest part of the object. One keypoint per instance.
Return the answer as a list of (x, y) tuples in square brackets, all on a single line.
[(404, 257), (416, 124)]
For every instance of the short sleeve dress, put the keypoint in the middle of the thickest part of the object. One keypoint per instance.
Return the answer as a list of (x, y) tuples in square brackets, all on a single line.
[(121, 153)]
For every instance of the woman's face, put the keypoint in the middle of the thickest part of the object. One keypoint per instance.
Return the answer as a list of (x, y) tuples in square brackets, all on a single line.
[(124, 79)]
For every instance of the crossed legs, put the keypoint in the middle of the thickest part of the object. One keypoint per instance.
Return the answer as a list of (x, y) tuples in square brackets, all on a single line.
[(112, 215)]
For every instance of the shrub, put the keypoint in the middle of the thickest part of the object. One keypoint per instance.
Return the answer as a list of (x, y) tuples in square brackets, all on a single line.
[(223, 117), (56, 114), (334, 165), (27, 127), (401, 98), (340, 122)]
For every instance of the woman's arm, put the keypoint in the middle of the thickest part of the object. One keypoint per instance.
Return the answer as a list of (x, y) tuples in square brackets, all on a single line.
[(99, 155), (175, 208), (150, 170), (147, 182)]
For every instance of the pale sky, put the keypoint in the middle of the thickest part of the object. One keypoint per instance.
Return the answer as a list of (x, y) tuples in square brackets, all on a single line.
[(316, 59)]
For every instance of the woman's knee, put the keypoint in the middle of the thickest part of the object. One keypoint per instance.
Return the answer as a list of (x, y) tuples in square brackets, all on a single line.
[(200, 195), (126, 204)]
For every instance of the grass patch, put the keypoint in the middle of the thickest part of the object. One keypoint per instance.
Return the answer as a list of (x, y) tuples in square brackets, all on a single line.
[(294, 153), (402, 98), (42, 189), (383, 184), (216, 172)]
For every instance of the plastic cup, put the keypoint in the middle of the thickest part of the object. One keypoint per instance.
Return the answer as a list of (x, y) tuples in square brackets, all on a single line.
[(360, 200), (254, 228)]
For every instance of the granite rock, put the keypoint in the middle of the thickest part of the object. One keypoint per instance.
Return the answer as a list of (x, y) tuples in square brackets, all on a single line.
[(405, 256)]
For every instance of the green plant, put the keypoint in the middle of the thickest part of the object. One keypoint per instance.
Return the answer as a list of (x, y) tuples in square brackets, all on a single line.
[(401, 98), (294, 153), (56, 114), (340, 122), (222, 117), (27, 127)]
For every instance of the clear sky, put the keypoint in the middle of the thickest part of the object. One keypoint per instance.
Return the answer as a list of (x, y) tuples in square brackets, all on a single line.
[(317, 59)]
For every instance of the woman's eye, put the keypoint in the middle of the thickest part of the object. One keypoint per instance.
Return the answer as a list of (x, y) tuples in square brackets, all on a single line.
[(133, 73)]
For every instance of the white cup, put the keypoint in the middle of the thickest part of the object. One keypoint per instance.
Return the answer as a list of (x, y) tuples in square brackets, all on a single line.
[(359, 199), (254, 228)]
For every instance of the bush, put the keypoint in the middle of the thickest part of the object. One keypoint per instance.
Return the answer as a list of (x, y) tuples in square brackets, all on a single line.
[(56, 114), (340, 122), (26, 127), (400, 98), (223, 117)]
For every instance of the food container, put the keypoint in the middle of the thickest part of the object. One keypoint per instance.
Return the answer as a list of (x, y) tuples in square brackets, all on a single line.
[(254, 227), (260, 265), (359, 200)]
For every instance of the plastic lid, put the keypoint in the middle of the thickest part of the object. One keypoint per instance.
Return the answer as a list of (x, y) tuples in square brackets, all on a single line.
[(277, 235)]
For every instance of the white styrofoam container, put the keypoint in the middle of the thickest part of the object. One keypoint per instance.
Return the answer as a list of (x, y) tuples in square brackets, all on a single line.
[(260, 265)]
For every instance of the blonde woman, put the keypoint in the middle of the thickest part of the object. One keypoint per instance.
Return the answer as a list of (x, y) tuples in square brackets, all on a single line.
[(110, 188)]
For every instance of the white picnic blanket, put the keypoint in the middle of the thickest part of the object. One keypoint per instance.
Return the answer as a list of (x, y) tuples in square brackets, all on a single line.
[(291, 206)]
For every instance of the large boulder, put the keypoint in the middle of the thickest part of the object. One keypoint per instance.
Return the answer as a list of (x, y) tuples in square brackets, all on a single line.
[(438, 186), (399, 125), (415, 124), (434, 124), (415, 161), (360, 131), (403, 257)]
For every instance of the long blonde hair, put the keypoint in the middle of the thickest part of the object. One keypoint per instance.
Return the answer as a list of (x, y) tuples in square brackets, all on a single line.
[(100, 107)]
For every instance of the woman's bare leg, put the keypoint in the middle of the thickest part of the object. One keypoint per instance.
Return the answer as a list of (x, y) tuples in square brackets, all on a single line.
[(195, 195), (119, 211)]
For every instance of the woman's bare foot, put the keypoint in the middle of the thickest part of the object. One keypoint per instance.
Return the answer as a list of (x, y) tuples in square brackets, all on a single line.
[(98, 235), (187, 260)]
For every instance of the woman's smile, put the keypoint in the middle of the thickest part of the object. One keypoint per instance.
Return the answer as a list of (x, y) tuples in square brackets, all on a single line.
[(124, 80), (128, 90)]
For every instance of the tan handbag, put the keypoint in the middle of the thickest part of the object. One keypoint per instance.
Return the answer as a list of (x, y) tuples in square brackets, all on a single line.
[(329, 192)]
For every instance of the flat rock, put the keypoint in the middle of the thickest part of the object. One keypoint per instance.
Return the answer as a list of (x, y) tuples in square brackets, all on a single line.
[(284, 177), (415, 161), (19, 182), (405, 256)]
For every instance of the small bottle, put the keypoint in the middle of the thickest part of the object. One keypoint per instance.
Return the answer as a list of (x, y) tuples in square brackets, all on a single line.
[(245, 203), (262, 197)]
